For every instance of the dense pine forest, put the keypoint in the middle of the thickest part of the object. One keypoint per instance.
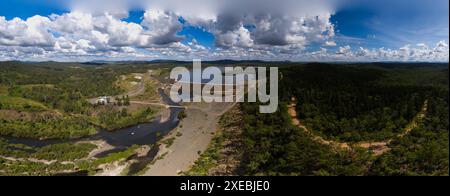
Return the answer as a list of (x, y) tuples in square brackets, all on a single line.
[(352, 103)]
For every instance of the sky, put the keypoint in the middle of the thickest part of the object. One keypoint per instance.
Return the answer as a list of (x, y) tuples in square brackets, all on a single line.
[(272, 30)]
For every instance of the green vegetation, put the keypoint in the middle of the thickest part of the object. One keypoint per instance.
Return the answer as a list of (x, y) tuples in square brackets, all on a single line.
[(71, 153), (182, 115), (59, 152), (117, 156), (52, 97), (42, 121), (20, 104), (416, 77), (63, 128), (41, 161), (124, 101), (128, 82), (162, 72), (274, 147), (27, 168), (49, 100), (169, 142), (91, 166), (378, 111), (89, 81), (352, 103), (112, 119), (64, 152), (158, 134), (150, 93), (3, 90), (424, 151), (208, 159), (225, 149)]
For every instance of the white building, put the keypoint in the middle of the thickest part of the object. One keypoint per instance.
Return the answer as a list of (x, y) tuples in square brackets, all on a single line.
[(102, 100)]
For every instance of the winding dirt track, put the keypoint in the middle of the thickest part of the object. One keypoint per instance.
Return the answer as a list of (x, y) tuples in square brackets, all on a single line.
[(378, 148)]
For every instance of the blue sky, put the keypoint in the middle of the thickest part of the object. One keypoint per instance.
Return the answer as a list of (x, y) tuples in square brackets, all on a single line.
[(27, 8), (356, 24), (395, 24)]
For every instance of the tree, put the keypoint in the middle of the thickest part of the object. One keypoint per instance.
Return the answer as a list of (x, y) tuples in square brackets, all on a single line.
[(124, 112), (182, 115), (126, 101), (119, 101)]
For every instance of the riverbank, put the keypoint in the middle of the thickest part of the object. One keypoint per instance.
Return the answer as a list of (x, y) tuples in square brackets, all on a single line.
[(192, 137), (225, 152)]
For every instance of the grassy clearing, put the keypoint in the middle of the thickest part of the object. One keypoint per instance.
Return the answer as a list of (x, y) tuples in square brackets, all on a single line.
[(3, 90), (21, 104), (150, 94), (128, 82), (161, 72)]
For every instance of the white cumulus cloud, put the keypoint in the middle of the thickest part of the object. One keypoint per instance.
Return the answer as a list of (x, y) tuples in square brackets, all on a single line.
[(249, 29)]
